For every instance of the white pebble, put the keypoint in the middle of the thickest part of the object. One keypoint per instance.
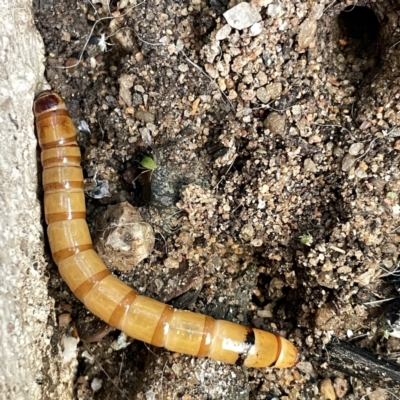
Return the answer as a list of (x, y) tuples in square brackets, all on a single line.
[(70, 346), (183, 67), (256, 29), (360, 173), (224, 32), (242, 16), (356, 148), (96, 384)]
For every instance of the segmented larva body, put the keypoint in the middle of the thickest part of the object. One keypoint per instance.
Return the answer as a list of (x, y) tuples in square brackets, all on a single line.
[(108, 297)]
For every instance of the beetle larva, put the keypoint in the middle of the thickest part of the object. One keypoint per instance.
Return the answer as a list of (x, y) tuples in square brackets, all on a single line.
[(105, 295)]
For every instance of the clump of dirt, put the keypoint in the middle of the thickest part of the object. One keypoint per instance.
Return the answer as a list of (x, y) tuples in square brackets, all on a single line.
[(275, 183)]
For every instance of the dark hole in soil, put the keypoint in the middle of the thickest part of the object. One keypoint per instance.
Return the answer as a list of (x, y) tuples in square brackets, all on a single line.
[(359, 28)]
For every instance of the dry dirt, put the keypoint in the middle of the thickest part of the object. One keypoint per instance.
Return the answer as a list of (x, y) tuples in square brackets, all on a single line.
[(276, 186)]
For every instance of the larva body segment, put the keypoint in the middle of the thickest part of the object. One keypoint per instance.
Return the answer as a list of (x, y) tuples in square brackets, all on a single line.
[(106, 296)]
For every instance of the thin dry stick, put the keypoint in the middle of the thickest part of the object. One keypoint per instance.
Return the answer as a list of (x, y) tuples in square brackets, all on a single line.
[(208, 76), (329, 5), (378, 302), (369, 148), (395, 272), (226, 173), (335, 126), (162, 378), (394, 230), (351, 9)]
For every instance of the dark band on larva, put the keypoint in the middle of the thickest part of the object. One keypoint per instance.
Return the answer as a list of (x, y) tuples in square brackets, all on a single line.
[(65, 216), (159, 335), (248, 343), (65, 160), (209, 325), (278, 352), (63, 185), (60, 142), (122, 309), (49, 113), (62, 255), (88, 285)]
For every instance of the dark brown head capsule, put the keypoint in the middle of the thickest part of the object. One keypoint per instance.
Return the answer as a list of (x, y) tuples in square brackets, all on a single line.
[(46, 101)]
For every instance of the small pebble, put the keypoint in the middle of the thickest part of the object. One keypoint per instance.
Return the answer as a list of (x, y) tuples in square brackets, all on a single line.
[(70, 348), (347, 162), (274, 90), (137, 99), (276, 123), (263, 95), (356, 149), (224, 32), (96, 384), (327, 390), (360, 173), (64, 320), (389, 248), (307, 33), (256, 29), (309, 166), (145, 116), (242, 16)]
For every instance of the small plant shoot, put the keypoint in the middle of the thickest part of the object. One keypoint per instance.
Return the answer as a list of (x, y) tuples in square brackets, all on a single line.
[(148, 163), (306, 239)]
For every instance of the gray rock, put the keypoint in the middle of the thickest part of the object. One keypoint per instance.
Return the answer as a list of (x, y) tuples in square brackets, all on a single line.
[(137, 99), (145, 116)]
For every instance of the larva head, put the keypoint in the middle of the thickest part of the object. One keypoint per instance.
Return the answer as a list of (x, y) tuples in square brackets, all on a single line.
[(54, 126), (47, 101)]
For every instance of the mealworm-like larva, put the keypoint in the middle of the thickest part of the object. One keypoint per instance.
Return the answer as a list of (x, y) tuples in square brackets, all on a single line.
[(105, 295)]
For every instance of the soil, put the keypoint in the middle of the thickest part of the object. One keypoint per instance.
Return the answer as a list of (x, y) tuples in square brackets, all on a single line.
[(275, 190)]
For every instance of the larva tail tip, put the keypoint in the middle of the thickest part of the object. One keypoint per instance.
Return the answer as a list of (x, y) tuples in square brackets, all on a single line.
[(46, 101), (289, 355)]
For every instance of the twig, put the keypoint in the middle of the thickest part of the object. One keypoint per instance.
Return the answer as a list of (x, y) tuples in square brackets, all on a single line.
[(335, 126)]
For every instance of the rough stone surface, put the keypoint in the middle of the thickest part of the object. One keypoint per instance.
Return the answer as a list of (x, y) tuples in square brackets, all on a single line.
[(31, 368), (307, 33)]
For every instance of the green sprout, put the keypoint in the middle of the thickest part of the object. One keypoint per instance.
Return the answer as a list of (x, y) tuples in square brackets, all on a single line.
[(392, 195), (306, 239), (148, 163)]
